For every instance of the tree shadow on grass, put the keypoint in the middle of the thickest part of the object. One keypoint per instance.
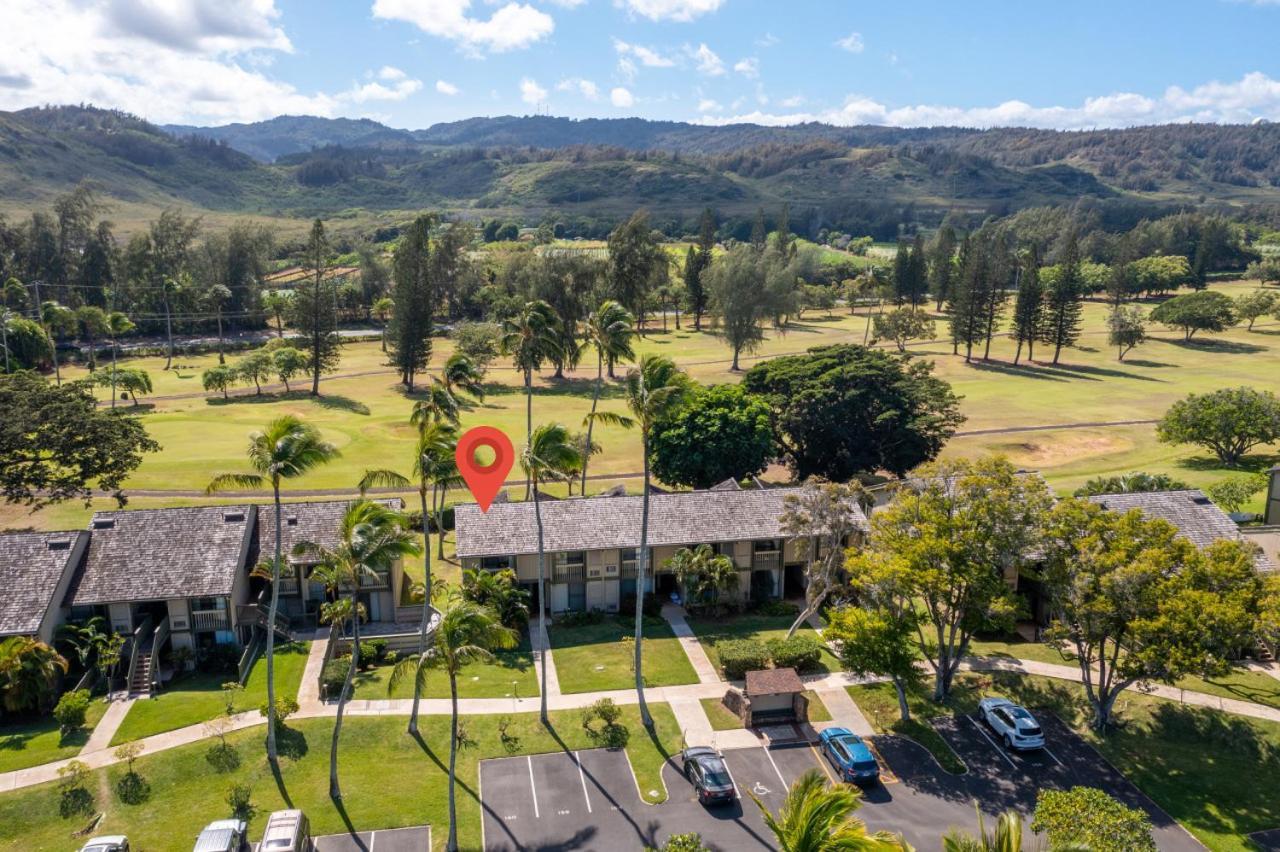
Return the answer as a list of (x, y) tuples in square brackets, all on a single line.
[(1253, 463), (1231, 347), (581, 387), (331, 401), (1018, 370), (1141, 362)]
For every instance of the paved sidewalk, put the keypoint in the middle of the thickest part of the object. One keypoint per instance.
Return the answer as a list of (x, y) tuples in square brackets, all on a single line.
[(309, 689), (845, 712), (692, 647), (1266, 668), (107, 726), (1173, 693), (544, 656)]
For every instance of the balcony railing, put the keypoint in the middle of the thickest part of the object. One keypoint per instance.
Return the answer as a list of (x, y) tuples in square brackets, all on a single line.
[(210, 619), (766, 560), (374, 582), (289, 586)]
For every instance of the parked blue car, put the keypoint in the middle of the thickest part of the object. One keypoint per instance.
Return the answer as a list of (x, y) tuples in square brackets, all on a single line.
[(850, 756)]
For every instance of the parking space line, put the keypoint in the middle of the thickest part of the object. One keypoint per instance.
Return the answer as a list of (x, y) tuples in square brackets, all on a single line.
[(884, 765), (823, 763), (775, 767), (994, 745), (373, 838), (533, 788), (1055, 757), (583, 778)]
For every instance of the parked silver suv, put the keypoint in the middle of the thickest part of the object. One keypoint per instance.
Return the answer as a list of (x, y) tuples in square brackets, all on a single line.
[(1014, 724), (225, 835)]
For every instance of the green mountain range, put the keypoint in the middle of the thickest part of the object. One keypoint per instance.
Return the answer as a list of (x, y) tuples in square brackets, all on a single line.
[(859, 178)]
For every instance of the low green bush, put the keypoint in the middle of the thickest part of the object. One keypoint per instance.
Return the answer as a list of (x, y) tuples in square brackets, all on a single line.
[(580, 619), (801, 652), (334, 675), (72, 709), (775, 608), (739, 656)]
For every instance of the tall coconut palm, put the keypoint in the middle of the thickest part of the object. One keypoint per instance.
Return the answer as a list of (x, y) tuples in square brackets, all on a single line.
[(117, 324), (530, 338), (654, 387), (550, 455), (818, 818), (467, 633), (433, 461), (286, 449), (438, 406), (372, 537), (609, 331), (29, 673), (1007, 837), (461, 375)]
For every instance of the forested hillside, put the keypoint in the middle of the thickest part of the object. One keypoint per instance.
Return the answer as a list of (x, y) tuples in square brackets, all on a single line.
[(860, 179)]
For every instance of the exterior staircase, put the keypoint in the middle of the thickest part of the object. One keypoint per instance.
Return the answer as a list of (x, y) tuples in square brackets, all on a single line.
[(1264, 653), (140, 684)]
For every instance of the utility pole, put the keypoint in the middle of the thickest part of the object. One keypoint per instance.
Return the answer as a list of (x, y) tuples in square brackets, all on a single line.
[(4, 335), (53, 350)]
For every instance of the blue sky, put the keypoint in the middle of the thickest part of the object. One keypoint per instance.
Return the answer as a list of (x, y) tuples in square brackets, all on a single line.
[(411, 63)]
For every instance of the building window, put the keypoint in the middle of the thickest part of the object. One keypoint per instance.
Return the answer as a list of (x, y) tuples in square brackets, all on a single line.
[(495, 563), (766, 545), (569, 567), (208, 604)]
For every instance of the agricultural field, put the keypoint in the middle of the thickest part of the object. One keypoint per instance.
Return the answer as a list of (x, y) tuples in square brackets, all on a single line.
[(364, 411)]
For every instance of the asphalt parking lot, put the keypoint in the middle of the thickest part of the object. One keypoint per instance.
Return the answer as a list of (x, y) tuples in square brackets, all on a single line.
[(589, 799), (412, 839)]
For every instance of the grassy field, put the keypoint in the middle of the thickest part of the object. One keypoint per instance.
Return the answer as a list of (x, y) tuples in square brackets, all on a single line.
[(762, 627), (389, 780), (24, 744), (1201, 766), (592, 657), (510, 675), (198, 697), (366, 415)]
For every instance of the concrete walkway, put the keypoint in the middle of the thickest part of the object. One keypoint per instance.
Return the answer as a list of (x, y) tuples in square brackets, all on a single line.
[(1172, 693), (693, 649), (542, 656), (107, 726), (309, 689), (845, 713)]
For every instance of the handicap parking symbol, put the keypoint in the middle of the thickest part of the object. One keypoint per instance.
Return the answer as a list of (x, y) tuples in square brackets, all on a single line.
[(760, 789)]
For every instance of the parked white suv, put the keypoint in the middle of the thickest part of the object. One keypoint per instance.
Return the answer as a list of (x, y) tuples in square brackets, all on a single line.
[(1014, 724)]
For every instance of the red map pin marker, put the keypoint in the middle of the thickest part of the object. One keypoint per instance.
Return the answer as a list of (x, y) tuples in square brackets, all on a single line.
[(484, 480)]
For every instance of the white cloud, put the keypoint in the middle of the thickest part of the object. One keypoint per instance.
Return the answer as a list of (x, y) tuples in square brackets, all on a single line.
[(1253, 96), (748, 67), (531, 93), (708, 62), (671, 10), (387, 72), (568, 4), (792, 102), (444, 87), (767, 40), (186, 61), (621, 98), (401, 86), (706, 105), (852, 43), (586, 88), (646, 56), (511, 26)]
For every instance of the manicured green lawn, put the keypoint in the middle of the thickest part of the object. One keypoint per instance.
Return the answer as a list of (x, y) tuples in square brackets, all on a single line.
[(1241, 684), (593, 657), (1202, 766), (197, 697), (389, 780), (762, 627), (478, 680), (26, 744), (879, 703)]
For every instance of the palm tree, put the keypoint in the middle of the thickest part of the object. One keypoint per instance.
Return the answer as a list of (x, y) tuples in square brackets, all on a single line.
[(468, 633), (1007, 836), (529, 338), (117, 324), (653, 388), (432, 462), (93, 324), (29, 673), (286, 449), (609, 330), (438, 406), (84, 638), (460, 375), (372, 537), (818, 818), (549, 455)]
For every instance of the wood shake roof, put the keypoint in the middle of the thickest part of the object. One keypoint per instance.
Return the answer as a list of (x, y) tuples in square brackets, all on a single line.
[(154, 554), (605, 523), (31, 567), (315, 523), (783, 681), (1197, 518)]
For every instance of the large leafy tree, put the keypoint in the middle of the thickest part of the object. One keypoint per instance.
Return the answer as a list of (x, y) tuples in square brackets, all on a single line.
[(880, 641), (500, 592), (1137, 602), (56, 444), (846, 409), (1130, 483), (468, 633), (372, 537), (609, 332), (1086, 817), (738, 283), (637, 263), (720, 432), (1206, 310), (696, 262), (818, 818), (1230, 422), (823, 517), (30, 672), (286, 449), (314, 309), (945, 550), (414, 297), (549, 456)]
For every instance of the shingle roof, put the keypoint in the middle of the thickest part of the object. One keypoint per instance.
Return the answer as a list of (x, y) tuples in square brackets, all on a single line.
[(152, 554), (316, 523), (1197, 518), (774, 682), (602, 523), (31, 567)]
